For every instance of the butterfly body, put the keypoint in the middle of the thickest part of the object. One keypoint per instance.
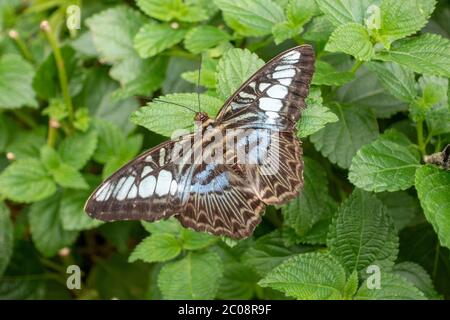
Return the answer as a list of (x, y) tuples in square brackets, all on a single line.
[(220, 178)]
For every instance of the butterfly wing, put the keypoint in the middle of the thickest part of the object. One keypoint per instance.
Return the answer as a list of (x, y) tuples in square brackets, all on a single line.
[(147, 188), (274, 96), (223, 199)]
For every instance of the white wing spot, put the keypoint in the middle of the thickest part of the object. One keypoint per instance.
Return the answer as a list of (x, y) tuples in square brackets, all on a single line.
[(292, 56), (285, 82), (252, 85), (271, 117), (163, 185), (270, 104), (277, 91), (147, 186), (284, 74), (245, 95), (148, 159), (283, 67), (119, 186), (122, 194), (173, 187), (100, 195), (133, 192), (162, 155), (146, 170), (263, 86)]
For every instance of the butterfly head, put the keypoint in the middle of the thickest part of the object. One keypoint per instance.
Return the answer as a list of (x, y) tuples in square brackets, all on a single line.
[(201, 116)]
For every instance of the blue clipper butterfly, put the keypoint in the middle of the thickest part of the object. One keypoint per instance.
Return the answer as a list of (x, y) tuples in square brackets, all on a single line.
[(226, 198)]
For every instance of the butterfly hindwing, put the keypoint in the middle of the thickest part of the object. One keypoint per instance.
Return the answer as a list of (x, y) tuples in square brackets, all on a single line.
[(221, 202)]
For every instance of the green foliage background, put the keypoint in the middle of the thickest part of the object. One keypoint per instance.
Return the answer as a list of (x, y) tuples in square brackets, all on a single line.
[(77, 104)]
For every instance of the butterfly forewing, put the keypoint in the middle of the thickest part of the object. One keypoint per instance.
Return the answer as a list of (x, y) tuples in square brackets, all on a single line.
[(274, 96), (147, 188)]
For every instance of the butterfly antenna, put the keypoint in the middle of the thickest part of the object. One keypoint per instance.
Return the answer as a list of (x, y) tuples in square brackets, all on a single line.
[(174, 103), (198, 82)]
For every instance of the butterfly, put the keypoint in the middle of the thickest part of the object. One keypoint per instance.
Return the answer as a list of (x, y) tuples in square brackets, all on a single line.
[(221, 197)]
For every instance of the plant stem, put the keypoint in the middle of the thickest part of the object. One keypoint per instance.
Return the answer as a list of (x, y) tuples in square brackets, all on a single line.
[(53, 265), (52, 134), (62, 74), (356, 66), (13, 34), (420, 141)]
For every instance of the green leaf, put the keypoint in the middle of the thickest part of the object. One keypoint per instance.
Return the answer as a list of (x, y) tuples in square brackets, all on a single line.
[(24, 277), (6, 237), (196, 276), (126, 153), (77, 149), (401, 206), (238, 282), (298, 13), (340, 12), (115, 278), (352, 39), (113, 31), (419, 243), (201, 38), (167, 10), (341, 140), (387, 164), (433, 189), (154, 38), (164, 117), (393, 287), (433, 104), (251, 17), (16, 76), (427, 54), (362, 233), (319, 29), (235, 67), (351, 286), (26, 181), (268, 252), (368, 91), (63, 174), (46, 81), (170, 225), (401, 18), (149, 78), (315, 116), (325, 74), (46, 226), (97, 97), (26, 144), (417, 275), (397, 80), (311, 276), (72, 213), (207, 75), (192, 240), (82, 119), (309, 207), (157, 248), (114, 148)]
